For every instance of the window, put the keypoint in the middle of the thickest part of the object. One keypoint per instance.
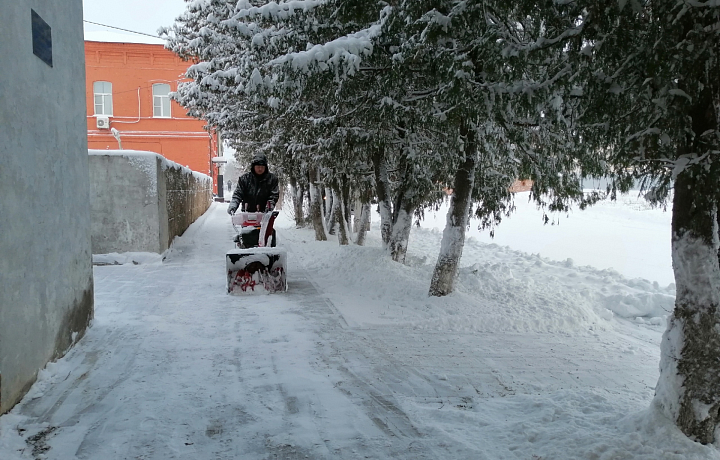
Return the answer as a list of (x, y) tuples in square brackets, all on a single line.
[(161, 100), (103, 97), (41, 38)]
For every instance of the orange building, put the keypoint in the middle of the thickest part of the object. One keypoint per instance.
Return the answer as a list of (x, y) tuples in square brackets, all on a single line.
[(127, 89)]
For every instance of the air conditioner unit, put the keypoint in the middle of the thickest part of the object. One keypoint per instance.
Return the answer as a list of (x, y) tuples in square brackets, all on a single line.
[(102, 122)]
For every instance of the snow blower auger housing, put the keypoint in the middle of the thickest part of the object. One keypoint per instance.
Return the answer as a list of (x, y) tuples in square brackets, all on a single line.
[(255, 265)]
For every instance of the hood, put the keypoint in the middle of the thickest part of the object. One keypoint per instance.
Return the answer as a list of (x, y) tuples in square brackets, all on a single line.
[(259, 159)]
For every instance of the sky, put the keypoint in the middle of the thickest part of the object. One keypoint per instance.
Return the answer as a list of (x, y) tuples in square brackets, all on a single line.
[(145, 16)]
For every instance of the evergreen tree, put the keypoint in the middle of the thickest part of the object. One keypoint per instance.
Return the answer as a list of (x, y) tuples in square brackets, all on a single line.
[(648, 96), (474, 79), (644, 100), (422, 94)]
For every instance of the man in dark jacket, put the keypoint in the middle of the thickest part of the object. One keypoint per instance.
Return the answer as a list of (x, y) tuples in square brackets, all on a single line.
[(255, 188)]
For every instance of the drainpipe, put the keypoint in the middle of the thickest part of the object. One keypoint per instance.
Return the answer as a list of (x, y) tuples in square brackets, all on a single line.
[(116, 135)]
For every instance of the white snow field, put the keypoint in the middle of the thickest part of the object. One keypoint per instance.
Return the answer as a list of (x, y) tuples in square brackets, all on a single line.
[(529, 359)]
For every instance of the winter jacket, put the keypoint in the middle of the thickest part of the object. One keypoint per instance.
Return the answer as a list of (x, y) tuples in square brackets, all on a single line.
[(256, 189)]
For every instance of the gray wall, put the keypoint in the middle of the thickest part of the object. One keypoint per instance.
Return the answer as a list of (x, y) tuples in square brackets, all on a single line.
[(46, 284), (140, 201)]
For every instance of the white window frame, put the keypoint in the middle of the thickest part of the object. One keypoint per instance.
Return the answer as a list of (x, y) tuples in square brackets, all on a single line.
[(161, 102), (103, 94)]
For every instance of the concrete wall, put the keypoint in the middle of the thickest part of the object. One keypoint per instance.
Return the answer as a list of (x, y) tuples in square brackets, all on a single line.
[(140, 201), (46, 284)]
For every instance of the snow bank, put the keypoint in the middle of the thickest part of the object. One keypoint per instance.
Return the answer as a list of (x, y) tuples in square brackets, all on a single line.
[(581, 424), (501, 269), (498, 289)]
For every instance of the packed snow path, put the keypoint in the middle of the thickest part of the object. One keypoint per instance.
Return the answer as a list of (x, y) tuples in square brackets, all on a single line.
[(173, 368)]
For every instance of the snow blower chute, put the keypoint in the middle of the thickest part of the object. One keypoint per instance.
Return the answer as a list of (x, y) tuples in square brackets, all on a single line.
[(256, 265)]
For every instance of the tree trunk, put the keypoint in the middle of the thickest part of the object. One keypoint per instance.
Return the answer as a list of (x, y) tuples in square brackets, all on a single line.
[(347, 209), (316, 209), (453, 240), (382, 189), (400, 236), (339, 213), (345, 197), (330, 204), (297, 196), (328, 201), (688, 391), (281, 197), (357, 215), (363, 224), (402, 212), (331, 219), (307, 199)]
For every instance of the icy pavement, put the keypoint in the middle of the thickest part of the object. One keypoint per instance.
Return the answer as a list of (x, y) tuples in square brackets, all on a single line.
[(529, 360)]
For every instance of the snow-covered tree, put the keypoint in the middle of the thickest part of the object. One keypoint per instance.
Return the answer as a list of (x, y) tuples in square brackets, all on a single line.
[(644, 98), (360, 130), (648, 97), (474, 77), (393, 100), (231, 42)]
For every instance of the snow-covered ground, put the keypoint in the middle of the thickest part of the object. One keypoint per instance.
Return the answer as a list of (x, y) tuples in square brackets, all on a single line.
[(530, 359)]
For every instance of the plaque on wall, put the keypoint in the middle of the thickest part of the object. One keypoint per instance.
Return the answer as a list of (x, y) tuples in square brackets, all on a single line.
[(41, 38)]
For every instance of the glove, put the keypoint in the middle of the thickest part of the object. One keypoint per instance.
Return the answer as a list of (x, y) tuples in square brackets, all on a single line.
[(270, 205), (232, 208)]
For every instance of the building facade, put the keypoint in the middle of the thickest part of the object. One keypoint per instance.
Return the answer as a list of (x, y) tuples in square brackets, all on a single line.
[(46, 278), (128, 105)]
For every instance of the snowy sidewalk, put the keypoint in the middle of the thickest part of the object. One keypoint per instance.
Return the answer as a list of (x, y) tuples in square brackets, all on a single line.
[(173, 368)]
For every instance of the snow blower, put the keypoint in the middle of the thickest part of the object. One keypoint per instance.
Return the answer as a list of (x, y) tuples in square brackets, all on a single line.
[(255, 266)]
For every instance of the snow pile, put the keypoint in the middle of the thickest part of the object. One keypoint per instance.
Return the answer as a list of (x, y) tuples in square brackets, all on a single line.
[(561, 425), (501, 269), (498, 289)]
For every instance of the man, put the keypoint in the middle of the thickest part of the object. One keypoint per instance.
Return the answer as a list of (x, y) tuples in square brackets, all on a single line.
[(255, 188)]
